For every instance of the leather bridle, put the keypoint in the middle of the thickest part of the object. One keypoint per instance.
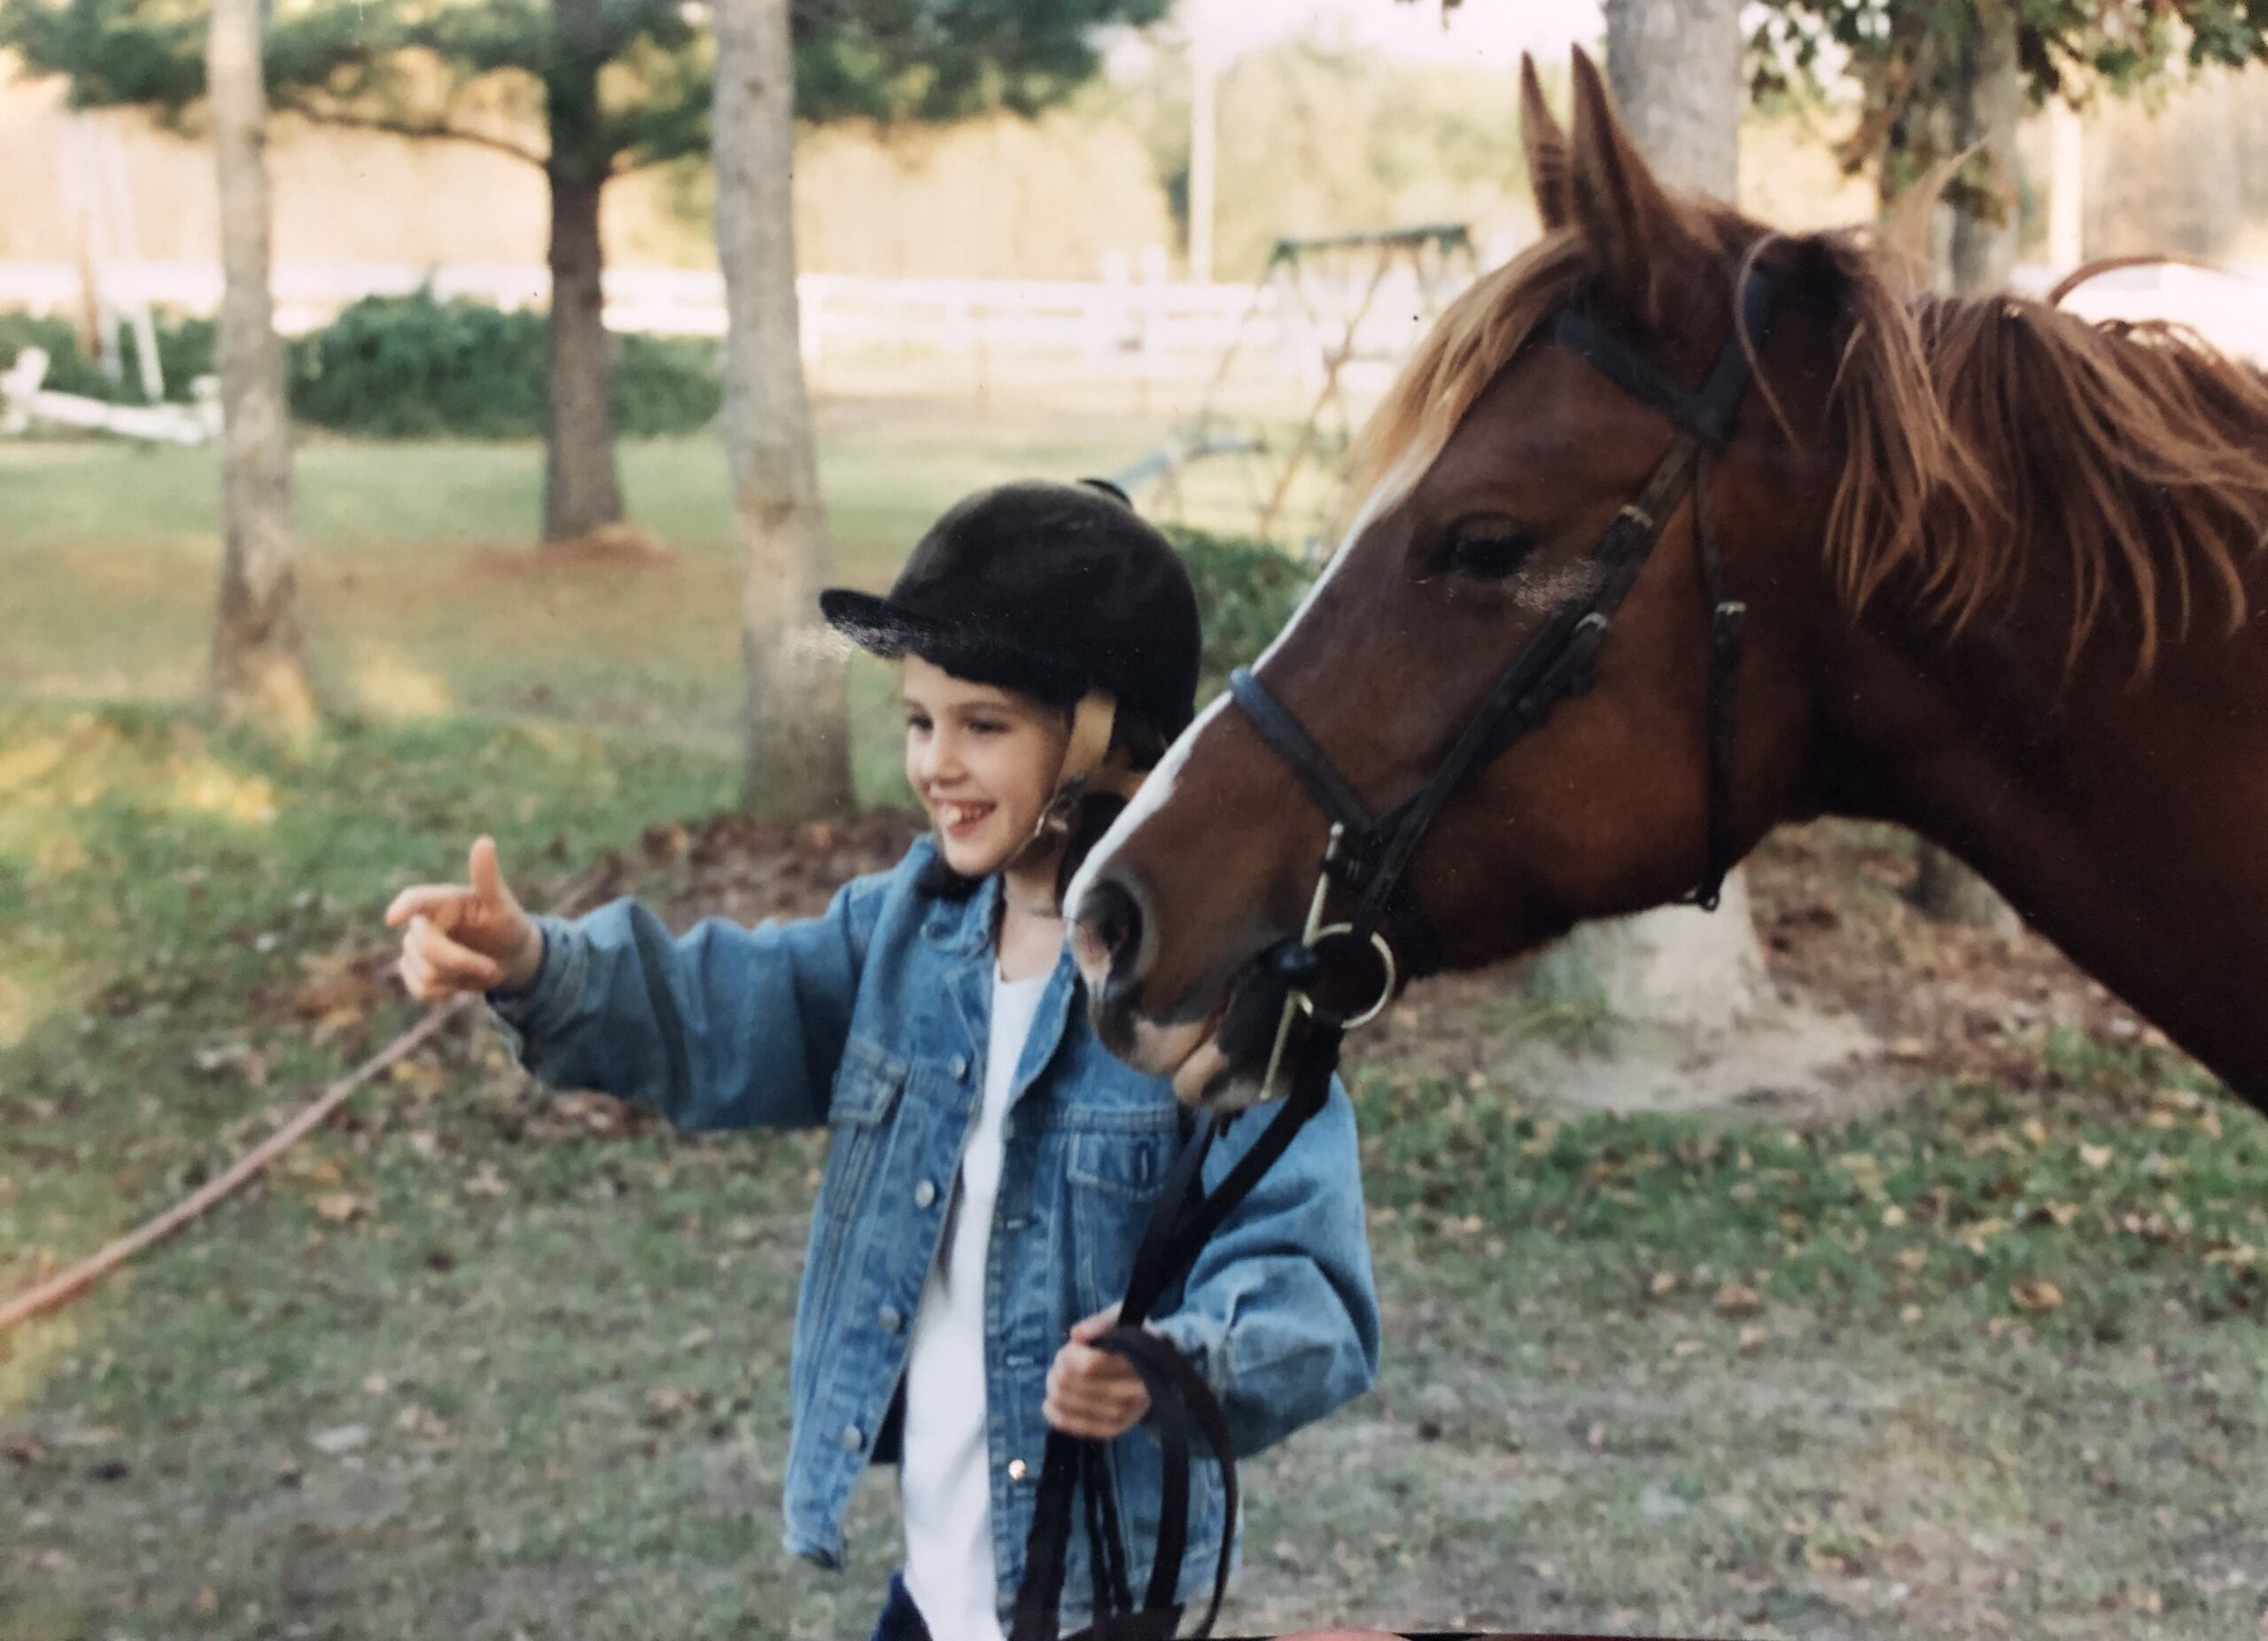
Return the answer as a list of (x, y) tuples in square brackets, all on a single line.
[(1370, 858), (1373, 858)]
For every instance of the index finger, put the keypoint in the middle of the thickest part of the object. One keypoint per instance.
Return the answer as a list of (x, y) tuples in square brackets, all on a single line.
[(422, 899)]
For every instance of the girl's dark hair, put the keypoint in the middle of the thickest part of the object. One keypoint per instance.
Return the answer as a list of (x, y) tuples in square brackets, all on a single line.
[(1140, 742)]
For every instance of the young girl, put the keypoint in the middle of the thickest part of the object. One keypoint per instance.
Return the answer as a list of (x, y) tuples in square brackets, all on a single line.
[(990, 1167)]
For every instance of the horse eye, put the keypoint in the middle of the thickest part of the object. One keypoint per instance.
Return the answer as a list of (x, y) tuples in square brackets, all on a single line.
[(1486, 549)]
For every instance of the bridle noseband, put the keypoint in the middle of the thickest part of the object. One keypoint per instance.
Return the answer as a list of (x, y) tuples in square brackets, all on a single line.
[(1371, 854)]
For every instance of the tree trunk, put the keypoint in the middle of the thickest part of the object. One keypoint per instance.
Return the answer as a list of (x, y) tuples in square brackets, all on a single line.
[(796, 747), (259, 669), (1983, 95), (1674, 67), (581, 492), (1986, 97)]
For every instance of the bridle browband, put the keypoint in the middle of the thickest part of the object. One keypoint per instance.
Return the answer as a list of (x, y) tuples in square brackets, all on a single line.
[(1370, 858), (1374, 855)]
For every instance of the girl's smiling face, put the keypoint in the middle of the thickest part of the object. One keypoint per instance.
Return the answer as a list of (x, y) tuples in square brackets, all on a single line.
[(983, 760)]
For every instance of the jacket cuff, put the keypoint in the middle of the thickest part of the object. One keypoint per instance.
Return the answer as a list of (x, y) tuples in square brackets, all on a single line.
[(1204, 1340), (545, 1005)]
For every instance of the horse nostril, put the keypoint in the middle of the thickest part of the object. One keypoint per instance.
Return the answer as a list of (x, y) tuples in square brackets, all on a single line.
[(1110, 925)]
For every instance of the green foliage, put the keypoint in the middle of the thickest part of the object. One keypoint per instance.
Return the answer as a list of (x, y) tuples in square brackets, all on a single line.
[(1902, 53), (405, 367), (184, 354), (1247, 591), (411, 367), (947, 59), (617, 85)]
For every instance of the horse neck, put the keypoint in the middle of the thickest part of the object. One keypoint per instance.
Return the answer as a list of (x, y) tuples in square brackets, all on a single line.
[(2121, 817)]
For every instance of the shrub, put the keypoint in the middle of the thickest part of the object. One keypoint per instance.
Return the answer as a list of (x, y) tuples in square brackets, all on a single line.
[(411, 366), (184, 354), (1245, 592)]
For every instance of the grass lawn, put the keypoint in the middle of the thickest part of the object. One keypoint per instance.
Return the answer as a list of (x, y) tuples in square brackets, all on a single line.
[(482, 1364), (419, 588)]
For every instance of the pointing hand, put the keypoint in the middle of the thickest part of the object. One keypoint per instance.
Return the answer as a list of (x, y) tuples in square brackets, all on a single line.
[(465, 937)]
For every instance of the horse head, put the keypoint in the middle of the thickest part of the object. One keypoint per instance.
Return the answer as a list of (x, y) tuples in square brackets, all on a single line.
[(1491, 473)]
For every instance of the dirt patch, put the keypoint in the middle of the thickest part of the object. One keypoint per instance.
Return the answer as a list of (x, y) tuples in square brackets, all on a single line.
[(612, 546), (1875, 1000)]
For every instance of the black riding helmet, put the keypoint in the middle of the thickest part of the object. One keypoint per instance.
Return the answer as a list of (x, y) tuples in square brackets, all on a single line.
[(1056, 590)]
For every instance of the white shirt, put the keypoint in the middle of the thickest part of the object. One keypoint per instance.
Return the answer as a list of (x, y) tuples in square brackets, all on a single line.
[(943, 1485)]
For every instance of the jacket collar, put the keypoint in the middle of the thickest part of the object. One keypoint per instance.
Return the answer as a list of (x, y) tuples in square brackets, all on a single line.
[(964, 929)]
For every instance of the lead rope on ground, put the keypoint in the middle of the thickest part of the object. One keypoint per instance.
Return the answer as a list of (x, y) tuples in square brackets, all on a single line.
[(60, 1290)]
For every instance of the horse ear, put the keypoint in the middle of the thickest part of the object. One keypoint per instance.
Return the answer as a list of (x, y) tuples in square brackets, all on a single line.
[(1906, 229), (1629, 218), (1545, 145)]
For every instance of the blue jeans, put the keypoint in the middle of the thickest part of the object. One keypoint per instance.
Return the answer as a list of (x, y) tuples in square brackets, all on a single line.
[(901, 1620)]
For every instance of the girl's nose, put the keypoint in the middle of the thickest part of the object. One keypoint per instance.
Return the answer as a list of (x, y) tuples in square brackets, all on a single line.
[(940, 758)]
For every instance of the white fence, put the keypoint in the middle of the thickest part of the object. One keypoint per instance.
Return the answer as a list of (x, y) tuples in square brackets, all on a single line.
[(981, 330), (1067, 329)]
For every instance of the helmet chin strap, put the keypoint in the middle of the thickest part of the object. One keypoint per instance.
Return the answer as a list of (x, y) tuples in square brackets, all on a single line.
[(1083, 772)]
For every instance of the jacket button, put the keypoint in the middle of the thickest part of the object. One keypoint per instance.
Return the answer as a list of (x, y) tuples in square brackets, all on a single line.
[(924, 1195), (853, 1438), (1018, 1470), (959, 1067), (890, 1318)]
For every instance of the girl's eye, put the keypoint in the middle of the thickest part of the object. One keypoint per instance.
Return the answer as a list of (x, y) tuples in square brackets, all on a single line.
[(987, 727), (1484, 547), (915, 724)]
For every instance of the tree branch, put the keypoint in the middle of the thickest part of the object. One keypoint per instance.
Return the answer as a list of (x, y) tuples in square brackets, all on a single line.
[(443, 132)]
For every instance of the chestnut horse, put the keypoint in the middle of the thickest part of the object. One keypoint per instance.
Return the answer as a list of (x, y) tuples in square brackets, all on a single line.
[(1999, 568)]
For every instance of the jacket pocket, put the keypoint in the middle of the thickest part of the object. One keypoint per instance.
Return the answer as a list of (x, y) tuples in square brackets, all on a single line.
[(1116, 1178), (866, 1084), (1127, 1163)]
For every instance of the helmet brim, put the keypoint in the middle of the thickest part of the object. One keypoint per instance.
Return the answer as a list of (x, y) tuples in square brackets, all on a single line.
[(883, 627), (874, 624)]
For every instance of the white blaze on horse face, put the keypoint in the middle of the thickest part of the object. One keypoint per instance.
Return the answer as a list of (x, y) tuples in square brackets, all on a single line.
[(1157, 786)]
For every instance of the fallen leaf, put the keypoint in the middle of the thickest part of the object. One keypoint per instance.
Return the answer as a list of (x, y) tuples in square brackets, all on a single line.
[(1734, 1299), (2096, 1158), (2036, 1295), (340, 1439), (1664, 1282), (338, 1207)]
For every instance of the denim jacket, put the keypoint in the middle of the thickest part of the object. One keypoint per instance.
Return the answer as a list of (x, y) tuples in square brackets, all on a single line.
[(873, 1021)]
